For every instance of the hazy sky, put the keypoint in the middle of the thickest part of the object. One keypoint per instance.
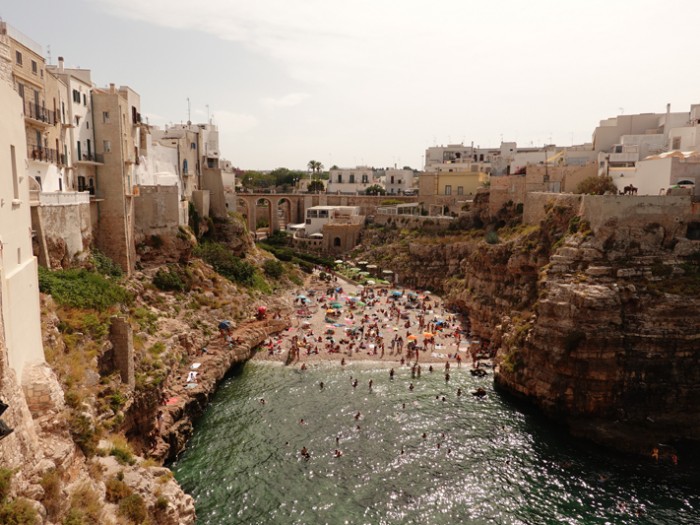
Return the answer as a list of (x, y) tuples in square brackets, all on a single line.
[(377, 81)]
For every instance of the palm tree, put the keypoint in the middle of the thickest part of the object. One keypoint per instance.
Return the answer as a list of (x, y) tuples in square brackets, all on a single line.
[(315, 166)]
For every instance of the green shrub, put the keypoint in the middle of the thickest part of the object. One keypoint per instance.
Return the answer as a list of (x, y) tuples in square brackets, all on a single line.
[(133, 508), (18, 512), (161, 504), (273, 268), (81, 289), (173, 278), (52, 500), (123, 455), (225, 263), (86, 508), (104, 264), (117, 490), (491, 237), (84, 433), (5, 483)]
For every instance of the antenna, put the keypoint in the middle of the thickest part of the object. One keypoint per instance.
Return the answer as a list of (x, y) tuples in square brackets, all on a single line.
[(208, 120), (48, 53), (189, 112)]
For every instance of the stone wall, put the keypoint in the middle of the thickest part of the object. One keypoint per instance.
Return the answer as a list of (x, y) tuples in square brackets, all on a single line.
[(416, 222), (156, 212), (122, 339), (212, 181), (669, 211), (536, 203), (67, 231)]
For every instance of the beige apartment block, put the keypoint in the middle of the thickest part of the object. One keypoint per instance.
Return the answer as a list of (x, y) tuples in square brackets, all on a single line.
[(19, 289), (117, 136)]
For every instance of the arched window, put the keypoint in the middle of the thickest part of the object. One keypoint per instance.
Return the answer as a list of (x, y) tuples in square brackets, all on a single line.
[(184, 166), (336, 242)]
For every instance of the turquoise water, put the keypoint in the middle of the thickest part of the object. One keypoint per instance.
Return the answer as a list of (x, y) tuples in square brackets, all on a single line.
[(494, 464)]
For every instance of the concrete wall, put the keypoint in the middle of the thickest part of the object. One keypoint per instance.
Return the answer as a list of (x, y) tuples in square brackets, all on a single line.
[(156, 211), (346, 235), (200, 199), (67, 231)]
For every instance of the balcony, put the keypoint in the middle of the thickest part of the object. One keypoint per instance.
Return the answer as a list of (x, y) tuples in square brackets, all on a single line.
[(90, 159), (39, 115), (64, 198), (42, 154)]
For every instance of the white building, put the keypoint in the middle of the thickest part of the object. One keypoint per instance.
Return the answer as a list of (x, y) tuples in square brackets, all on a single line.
[(76, 113), (19, 289), (318, 216), (397, 181), (351, 180)]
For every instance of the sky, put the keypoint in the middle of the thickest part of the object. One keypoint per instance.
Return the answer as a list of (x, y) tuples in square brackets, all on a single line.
[(376, 82)]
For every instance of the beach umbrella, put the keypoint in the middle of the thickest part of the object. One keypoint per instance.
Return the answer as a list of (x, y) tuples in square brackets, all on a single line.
[(336, 305), (412, 337), (302, 297), (396, 293), (360, 304), (370, 281), (363, 273), (339, 261), (428, 334), (373, 266), (329, 311)]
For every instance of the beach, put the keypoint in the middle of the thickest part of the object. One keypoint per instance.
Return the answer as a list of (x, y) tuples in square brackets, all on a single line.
[(338, 320)]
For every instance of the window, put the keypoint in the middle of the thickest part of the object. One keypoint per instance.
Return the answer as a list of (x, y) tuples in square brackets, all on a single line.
[(184, 166), (105, 117), (15, 178), (84, 99), (38, 180), (107, 146), (81, 183), (365, 179), (460, 190), (193, 145), (352, 178), (20, 90), (336, 242), (340, 178), (676, 143), (18, 58), (35, 67), (77, 120), (448, 189), (76, 96)]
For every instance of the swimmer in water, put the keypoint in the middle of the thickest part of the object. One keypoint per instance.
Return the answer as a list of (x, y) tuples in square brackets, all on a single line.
[(391, 374), (410, 387), (305, 453), (262, 401), (357, 416), (337, 453), (321, 385)]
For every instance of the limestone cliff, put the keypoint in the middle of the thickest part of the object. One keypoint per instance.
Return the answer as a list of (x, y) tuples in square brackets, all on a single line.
[(595, 325)]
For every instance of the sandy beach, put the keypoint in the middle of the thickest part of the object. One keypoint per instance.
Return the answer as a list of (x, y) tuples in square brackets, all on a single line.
[(348, 323)]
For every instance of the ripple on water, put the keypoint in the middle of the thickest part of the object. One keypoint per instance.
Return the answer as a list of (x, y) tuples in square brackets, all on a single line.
[(481, 461)]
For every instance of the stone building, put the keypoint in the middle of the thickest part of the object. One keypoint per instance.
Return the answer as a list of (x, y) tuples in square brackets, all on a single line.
[(351, 180), (117, 138)]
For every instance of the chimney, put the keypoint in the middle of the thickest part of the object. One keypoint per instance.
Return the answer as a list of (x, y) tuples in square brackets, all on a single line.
[(60, 64), (111, 87)]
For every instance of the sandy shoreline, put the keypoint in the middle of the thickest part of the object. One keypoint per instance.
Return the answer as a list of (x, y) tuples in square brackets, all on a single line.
[(340, 322)]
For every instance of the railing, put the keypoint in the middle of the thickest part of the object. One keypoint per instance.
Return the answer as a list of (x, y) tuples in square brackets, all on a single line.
[(37, 112), (43, 154), (91, 157), (64, 198)]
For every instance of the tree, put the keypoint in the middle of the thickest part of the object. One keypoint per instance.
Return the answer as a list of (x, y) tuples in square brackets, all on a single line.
[(316, 186), (596, 185), (375, 189), (315, 166)]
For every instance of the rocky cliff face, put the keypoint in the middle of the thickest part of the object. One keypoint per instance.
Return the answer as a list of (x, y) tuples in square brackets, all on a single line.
[(597, 329), (613, 346)]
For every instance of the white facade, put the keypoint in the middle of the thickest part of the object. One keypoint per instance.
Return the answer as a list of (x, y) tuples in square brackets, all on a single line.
[(351, 180), (19, 288), (76, 113), (398, 181), (318, 216)]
